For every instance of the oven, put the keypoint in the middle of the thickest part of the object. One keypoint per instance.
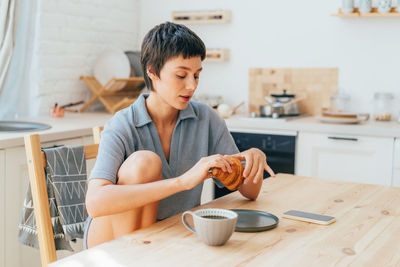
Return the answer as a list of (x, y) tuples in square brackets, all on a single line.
[(278, 146)]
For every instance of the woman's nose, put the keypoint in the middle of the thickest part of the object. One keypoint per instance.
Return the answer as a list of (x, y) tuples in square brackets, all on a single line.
[(191, 84)]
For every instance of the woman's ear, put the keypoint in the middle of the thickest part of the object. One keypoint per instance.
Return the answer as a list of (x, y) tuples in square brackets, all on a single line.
[(151, 74)]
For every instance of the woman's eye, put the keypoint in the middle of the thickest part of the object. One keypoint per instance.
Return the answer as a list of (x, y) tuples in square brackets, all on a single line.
[(196, 77), (180, 77)]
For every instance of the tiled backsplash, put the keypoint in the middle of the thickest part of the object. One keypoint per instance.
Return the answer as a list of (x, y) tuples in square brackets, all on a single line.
[(316, 85)]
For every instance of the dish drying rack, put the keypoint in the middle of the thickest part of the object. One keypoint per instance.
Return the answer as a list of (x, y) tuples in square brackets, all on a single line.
[(110, 95)]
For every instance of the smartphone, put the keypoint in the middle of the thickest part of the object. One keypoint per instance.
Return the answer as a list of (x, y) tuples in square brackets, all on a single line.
[(309, 217)]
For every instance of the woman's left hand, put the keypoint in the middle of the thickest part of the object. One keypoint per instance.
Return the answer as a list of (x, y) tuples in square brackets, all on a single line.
[(256, 163)]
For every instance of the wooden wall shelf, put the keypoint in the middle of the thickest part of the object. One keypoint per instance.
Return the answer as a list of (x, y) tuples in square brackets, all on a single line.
[(217, 54), (374, 13), (112, 99), (201, 17)]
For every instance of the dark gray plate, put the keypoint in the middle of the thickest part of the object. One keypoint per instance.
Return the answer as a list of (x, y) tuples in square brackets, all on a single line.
[(255, 220)]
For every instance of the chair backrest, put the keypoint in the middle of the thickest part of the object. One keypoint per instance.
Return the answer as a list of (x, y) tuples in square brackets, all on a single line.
[(36, 160)]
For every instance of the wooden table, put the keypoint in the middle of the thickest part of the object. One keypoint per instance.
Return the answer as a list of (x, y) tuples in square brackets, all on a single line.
[(366, 233)]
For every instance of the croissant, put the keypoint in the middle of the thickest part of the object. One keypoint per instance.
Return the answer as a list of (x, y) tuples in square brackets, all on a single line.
[(231, 180)]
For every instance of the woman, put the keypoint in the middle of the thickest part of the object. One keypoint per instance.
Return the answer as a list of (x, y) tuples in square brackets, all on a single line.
[(154, 155)]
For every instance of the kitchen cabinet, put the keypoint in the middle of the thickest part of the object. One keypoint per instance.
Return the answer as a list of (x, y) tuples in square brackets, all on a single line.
[(2, 206), (358, 159), (396, 163), (14, 184)]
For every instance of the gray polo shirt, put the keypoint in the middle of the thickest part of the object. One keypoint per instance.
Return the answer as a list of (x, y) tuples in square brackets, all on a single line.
[(199, 132)]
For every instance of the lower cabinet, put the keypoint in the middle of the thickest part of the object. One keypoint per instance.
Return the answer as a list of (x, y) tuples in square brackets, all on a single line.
[(396, 163), (13, 188), (347, 158), (2, 207)]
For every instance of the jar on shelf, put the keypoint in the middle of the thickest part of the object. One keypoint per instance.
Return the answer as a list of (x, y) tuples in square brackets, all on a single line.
[(384, 6), (347, 6), (365, 6), (383, 106)]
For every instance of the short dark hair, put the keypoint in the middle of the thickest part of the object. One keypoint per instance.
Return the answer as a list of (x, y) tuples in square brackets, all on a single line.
[(166, 41)]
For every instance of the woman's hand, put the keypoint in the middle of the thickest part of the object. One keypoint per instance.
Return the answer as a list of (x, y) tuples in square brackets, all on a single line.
[(199, 172), (256, 163)]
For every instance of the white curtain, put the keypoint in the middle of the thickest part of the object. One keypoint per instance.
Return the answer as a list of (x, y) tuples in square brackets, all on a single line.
[(7, 22), (21, 80)]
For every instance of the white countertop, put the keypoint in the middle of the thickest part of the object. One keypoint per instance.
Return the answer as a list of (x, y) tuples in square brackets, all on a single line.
[(311, 124), (71, 126), (81, 124)]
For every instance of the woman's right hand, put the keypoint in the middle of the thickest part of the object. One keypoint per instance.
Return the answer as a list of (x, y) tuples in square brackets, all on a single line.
[(199, 172)]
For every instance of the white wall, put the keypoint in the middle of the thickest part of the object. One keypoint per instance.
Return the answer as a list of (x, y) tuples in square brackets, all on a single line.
[(72, 34), (292, 33)]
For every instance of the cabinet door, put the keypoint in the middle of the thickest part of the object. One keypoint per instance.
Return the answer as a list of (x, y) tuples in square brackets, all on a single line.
[(2, 207), (16, 183), (396, 163), (346, 158)]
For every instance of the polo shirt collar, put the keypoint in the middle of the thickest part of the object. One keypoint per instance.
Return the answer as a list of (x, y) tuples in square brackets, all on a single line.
[(187, 113), (142, 117)]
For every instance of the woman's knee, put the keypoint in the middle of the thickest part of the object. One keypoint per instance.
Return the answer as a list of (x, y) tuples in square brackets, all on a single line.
[(140, 167)]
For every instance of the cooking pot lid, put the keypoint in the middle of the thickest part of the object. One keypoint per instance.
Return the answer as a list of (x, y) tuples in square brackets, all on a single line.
[(283, 95)]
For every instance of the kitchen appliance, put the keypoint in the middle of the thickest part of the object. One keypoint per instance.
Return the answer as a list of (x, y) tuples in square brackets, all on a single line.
[(279, 148), (280, 104)]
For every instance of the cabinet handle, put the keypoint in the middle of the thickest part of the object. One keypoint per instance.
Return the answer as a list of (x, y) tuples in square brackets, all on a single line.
[(343, 138)]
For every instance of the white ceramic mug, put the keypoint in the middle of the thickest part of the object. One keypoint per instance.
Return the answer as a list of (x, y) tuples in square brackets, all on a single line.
[(213, 226)]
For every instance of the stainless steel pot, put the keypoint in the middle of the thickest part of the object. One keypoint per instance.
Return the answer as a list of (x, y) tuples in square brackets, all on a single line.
[(286, 100), (271, 111), (280, 104)]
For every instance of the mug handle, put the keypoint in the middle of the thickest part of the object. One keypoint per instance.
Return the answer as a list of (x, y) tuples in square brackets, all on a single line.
[(185, 223)]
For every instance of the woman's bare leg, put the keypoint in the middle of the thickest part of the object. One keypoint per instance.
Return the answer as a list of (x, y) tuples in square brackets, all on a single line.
[(140, 167)]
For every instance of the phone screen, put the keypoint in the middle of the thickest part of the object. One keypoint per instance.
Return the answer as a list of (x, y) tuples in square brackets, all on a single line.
[(308, 215)]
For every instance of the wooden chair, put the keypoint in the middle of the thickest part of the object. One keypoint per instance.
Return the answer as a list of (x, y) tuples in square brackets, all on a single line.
[(36, 160)]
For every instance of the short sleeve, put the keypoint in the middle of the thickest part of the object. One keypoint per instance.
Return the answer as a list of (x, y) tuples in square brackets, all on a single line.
[(224, 143), (110, 156)]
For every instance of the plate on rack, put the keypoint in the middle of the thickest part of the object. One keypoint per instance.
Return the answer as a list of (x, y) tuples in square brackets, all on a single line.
[(111, 63), (344, 120)]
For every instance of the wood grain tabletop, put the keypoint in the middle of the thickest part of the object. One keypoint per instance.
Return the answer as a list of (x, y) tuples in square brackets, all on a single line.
[(366, 233)]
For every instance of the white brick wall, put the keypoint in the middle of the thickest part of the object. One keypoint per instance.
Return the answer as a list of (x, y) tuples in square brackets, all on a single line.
[(72, 34)]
